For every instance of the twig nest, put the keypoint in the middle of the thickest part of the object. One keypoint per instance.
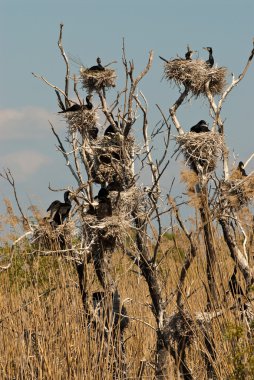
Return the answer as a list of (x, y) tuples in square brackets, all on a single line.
[(82, 121), (237, 192), (116, 227), (113, 160), (97, 80), (194, 74), (46, 237), (201, 150)]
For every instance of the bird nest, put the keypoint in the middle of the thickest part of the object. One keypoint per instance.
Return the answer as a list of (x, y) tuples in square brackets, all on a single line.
[(46, 237), (97, 80), (111, 229), (81, 121), (113, 159), (237, 193), (194, 74), (201, 150)]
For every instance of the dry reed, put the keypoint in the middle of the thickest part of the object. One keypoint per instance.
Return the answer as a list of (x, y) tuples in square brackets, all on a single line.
[(97, 80)]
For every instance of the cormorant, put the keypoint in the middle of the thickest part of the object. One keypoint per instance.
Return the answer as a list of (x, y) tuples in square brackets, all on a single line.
[(59, 211), (104, 207), (189, 53), (115, 184), (93, 133), (241, 169), (210, 60), (98, 67), (201, 126), (102, 194), (78, 107)]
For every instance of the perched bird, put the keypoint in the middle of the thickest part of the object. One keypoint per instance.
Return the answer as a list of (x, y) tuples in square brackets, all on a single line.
[(210, 60), (104, 207), (189, 53), (59, 211), (201, 126), (241, 169), (93, 133), (80, 107), (98, 67), (102, 194)]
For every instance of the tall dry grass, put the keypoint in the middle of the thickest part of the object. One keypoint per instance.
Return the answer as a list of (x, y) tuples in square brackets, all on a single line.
[(45, 335)]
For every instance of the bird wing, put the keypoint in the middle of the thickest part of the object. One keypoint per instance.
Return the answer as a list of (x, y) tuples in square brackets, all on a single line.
[(54, 206)]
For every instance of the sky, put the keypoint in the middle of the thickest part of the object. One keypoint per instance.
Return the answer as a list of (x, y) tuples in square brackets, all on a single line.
[(29, 32)]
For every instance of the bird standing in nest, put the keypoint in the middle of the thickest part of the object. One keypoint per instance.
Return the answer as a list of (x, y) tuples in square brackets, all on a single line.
[(200, 127), (188, 54), (97, 67), (210, 60), (241, 169), (59, 211), (80, 107)]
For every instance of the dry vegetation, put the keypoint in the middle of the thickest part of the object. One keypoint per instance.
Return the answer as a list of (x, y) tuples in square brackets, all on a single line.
[(115, 292)]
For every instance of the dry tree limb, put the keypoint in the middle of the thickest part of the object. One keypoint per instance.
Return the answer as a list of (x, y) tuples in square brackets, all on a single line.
[(65, 154), (7, 175), (67, 75), (134, 83), (173, 109)]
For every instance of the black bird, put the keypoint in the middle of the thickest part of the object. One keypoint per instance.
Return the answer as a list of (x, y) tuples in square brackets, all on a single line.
[(104, 207), (189, 53), (201, 126), (98, 67), (241, 169), (93, 133), (210, 60), (78, 107), (111, 130), (59, 211), (102, 194)]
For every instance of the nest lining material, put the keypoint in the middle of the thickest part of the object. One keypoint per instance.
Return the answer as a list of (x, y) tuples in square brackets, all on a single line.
[(97, 80), (238, 193), (194, 74), (82, 120), (203, 149)]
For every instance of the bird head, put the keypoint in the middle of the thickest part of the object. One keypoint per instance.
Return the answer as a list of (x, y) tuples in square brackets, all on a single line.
[(202, 122), (98, 60), (209, 49), (241, 165)]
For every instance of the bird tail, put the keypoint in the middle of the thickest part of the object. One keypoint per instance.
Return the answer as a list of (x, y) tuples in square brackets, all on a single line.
[(60, 103), (165, 60)]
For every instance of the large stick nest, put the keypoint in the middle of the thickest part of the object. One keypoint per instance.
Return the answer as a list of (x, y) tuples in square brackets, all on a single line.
[(113, 159), (237, 192), (45, 237), (201, 150), (97, 80), (194, 74), (81, 121), (117, 227)]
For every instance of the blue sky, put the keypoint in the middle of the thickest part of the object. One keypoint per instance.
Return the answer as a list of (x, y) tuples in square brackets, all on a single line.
[(29, 34)]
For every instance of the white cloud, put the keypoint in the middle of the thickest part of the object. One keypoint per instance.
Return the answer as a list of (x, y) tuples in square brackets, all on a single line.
[(24, 123), (25, 163)]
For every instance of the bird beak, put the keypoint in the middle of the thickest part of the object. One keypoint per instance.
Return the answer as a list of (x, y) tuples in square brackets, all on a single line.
[(205, 48)]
